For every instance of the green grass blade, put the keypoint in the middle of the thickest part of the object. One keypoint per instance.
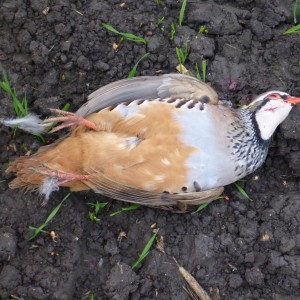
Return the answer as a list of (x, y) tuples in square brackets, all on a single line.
[(125, 35), (128, 208), (242, 191), (182, 11), (66, 107), (24, 104), (92, 217), (56, 209), (99, 205), (181, 59), (21, 108), (18, 107), (198, 73), (42, 139), (49, 218), (146, 250), (205, 204), (5, 84), (202, 29), (204, 65), (178, 54), (132, 73), (110, 28), (201, 207), (133, 38), (160, 20), (292, 30), (37, 230), (172, 32)]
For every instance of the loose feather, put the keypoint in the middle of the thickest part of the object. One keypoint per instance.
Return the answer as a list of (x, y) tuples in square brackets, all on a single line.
[(30, 123)]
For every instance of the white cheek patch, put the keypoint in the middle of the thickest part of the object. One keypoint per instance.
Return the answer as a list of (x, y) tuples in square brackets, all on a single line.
[(268, 118)]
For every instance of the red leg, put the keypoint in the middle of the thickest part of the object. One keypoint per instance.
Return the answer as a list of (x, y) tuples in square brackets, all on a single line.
[(68, 119), (63, 177)]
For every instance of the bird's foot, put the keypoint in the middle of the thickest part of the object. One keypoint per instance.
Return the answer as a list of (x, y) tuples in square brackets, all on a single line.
[(61, 176), (68, 119)]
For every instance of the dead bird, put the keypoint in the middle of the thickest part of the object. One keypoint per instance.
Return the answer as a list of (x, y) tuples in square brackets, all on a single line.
[(161, 141)]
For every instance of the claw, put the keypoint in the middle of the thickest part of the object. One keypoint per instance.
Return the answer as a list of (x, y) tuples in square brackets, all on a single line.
[(68, 119)]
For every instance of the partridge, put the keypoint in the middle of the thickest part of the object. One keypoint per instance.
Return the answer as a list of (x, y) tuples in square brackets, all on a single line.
[(161, 141)]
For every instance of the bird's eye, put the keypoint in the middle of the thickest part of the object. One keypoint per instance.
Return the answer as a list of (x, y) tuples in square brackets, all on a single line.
[(276, 96)]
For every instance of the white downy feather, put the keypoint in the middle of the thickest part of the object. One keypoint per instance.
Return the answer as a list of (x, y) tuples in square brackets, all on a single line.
[(31, 123), (48, 186)]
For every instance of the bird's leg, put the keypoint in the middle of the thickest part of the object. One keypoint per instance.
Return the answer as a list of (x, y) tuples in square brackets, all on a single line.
[(61, 176), (68, 119)]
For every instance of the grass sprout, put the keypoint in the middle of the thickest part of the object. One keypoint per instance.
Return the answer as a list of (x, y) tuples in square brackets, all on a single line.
[(128, 208), (160, 20), (146, 250), (182, 56), (20, 106), (295, 8), (39, 229), (96, 208), (182, 11), (66, 107), (127, 36), (159, 24), (205, 204), (242, 191), (201, 207), (132, 73), (202, 29), (202, 76), (172, 32), (295, 29)]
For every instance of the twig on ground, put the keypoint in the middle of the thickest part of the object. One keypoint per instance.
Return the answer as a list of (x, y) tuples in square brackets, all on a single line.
[(193, 283)]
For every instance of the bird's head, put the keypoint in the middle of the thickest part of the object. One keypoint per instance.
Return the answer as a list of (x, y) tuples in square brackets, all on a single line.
[(270, 109)]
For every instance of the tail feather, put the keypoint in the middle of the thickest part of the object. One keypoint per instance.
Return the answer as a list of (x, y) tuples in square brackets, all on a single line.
[(24, 168), (58, 165)]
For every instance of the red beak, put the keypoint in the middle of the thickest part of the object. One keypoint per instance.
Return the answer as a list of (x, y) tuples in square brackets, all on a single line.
[(292, 100)]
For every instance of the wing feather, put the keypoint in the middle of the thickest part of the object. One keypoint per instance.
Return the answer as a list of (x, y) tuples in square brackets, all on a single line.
[(147, 88), (116, 190)]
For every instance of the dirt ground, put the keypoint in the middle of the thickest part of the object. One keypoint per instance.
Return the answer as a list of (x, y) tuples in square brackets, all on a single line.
[(236, 249)]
